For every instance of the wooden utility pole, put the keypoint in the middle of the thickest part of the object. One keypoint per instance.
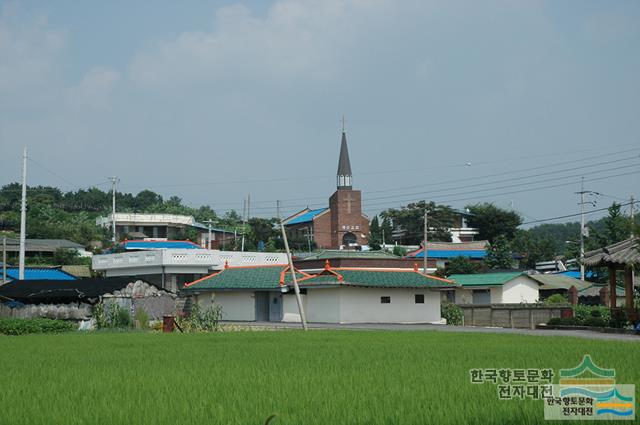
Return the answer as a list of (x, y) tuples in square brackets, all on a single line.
[(632, 215), (424, 250), (296, 288)]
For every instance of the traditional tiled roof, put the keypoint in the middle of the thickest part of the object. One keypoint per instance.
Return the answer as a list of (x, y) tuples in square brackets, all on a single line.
[(624, 253), (38, 273), (370, 277), (80, 271), (485, 279), (246, 277), (304, 216), (42, 245)]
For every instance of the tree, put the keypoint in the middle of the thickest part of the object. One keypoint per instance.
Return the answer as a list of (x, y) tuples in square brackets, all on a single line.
[(533, 247), (410, 219), (617, 227), (146, 199), (385, 230), (499, 254), (375, 237), (492, 221), (461, 265)]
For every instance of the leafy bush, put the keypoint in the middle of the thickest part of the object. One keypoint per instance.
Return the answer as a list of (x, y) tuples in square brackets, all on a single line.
[(399, 251), (111, 315), (556, 299), (201, 320), (31, 326), (583, 313), (618, 319), (452, 313), (595, 321)]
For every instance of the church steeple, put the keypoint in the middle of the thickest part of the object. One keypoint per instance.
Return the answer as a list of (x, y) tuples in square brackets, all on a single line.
[(344, 176)]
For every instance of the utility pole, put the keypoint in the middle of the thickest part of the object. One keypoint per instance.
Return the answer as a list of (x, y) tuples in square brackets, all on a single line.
[(384, 246), (632, 215), (424, 251), (583, 230), (244, 221), (23, 216), (209, 238), (114, 181), (296, 288), (4, 259)]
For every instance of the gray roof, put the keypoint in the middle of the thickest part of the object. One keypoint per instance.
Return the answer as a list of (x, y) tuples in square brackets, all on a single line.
[(42, 245), (558, 281), (344, 165), (623, 253)]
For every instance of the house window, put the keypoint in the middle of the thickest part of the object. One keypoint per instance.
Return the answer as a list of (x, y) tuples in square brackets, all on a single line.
[(419, 298), (385, 300)]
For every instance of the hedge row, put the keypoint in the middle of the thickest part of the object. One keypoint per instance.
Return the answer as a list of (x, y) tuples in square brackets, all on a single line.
[(34, 326)]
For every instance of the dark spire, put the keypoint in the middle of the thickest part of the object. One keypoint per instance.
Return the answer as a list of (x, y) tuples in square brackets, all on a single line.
[(344, 165)]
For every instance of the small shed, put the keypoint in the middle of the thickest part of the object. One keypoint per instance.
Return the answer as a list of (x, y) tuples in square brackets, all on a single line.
[(511, 287)]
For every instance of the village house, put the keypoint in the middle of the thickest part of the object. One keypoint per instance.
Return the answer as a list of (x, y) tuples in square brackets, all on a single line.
[(515, 287), (336, 295)]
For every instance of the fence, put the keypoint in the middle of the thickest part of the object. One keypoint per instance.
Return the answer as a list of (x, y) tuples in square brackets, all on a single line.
[(512, 315)]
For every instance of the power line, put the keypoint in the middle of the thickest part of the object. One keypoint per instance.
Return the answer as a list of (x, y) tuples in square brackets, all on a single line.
[(576, 214)]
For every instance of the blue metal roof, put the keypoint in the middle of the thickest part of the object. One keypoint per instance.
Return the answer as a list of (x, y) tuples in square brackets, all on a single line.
[(576, 273), (160, 245), (38, 273), (306, 217), (451, 253)]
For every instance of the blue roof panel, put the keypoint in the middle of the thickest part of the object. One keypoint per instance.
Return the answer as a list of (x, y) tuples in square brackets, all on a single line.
[(306, 217), (452, 253), (161, 245), (38, 273)]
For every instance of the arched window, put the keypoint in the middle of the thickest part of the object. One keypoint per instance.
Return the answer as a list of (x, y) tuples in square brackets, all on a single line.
[(349, 239)]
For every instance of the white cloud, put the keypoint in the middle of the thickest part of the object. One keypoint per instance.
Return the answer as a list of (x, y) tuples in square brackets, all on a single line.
[(95, 88)]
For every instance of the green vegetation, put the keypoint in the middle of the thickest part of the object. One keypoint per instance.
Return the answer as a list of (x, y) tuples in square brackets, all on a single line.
[(109, 315), (556, 299), (201, 320), (34, 326), (317, 377), (452, 313)]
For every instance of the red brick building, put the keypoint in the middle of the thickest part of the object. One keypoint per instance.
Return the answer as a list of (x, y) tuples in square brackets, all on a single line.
[(340, 226)]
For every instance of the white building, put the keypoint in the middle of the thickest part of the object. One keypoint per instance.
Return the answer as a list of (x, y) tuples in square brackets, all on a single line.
[(172, 268), (337, 295), (494, 288)]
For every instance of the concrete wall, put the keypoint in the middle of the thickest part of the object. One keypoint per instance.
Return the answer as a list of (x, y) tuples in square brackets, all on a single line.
[(520, 290), (362, 305), (236, 305), (322, 305)]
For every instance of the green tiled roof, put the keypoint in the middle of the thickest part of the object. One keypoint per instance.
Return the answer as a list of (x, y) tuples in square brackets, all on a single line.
[(558, 281), (264, 277), (329, 254), (484, 279), (377, 278)]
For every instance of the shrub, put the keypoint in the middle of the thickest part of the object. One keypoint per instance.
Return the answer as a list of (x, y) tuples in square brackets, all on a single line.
[(595, 321), (201, 320), (618, 319), (30, 326), (583, 313), (556, 299), (111, 315), (452, 313)]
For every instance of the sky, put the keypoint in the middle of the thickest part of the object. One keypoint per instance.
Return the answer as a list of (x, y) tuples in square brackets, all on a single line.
[(459, 102)]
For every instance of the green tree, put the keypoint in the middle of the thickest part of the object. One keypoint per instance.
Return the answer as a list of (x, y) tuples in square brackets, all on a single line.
[(386, 230), (492, 221), (617, 227), (375, 237), (499, 254), (461, 265), (533, 248), (410, 220)]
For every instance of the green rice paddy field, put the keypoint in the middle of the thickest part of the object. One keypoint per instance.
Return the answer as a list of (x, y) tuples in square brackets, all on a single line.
[(317, 377)]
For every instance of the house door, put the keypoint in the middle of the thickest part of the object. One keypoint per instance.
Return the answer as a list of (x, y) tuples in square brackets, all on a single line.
[(481, 296), (262, 306), (275, 307)]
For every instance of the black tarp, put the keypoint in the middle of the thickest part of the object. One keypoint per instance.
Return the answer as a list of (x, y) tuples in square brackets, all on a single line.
[(63, 291)]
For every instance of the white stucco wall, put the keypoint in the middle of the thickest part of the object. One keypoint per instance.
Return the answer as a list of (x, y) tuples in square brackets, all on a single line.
[(236, 305), (362, 305), (323, 305), (520, 290)]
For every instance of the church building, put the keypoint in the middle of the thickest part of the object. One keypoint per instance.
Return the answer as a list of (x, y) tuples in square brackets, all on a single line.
[(340, 226)]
